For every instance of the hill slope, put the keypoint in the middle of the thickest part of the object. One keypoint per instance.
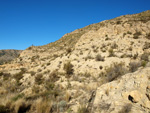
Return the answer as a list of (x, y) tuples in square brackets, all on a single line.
[(8, 55), (103, 67)]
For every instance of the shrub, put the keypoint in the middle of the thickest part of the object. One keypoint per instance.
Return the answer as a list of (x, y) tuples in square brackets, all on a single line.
[(43, 106), (39, 79), (111, 53), (128, 32), (53, 77), (1, 73), (6, 76), (39, 70), (99, 58), (115, 70), (148, 36), (133, 66), (86, 74), (68, 50), (126, 109), (143, 63), (93, 46), (15, 98), (49, 85), (145, 56), (23, 108), (88, 57), (135, 56), (32, 73), (124, 34), (48, 63), (35, 89), (104, 106), (4, 109), (118, 22), (62, 105), (68, 67), (82, 109), (114, 46), (146, 45), (136, 35), (19, 75)]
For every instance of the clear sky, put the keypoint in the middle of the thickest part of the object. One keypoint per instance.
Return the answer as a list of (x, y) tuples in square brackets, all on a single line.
[(39, 22)]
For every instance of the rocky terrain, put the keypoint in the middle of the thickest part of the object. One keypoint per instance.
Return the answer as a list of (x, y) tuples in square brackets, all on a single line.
[(101, 68), (8, 55)]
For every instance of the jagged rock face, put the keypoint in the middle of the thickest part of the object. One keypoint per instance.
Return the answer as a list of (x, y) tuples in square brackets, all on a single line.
[(102, 67)]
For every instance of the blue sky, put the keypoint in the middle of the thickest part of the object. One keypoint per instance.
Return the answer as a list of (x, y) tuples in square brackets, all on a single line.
[(39, 22)]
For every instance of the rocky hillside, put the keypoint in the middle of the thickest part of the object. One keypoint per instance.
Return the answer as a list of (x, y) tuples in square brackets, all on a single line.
[(101, 68), (8, 55)]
